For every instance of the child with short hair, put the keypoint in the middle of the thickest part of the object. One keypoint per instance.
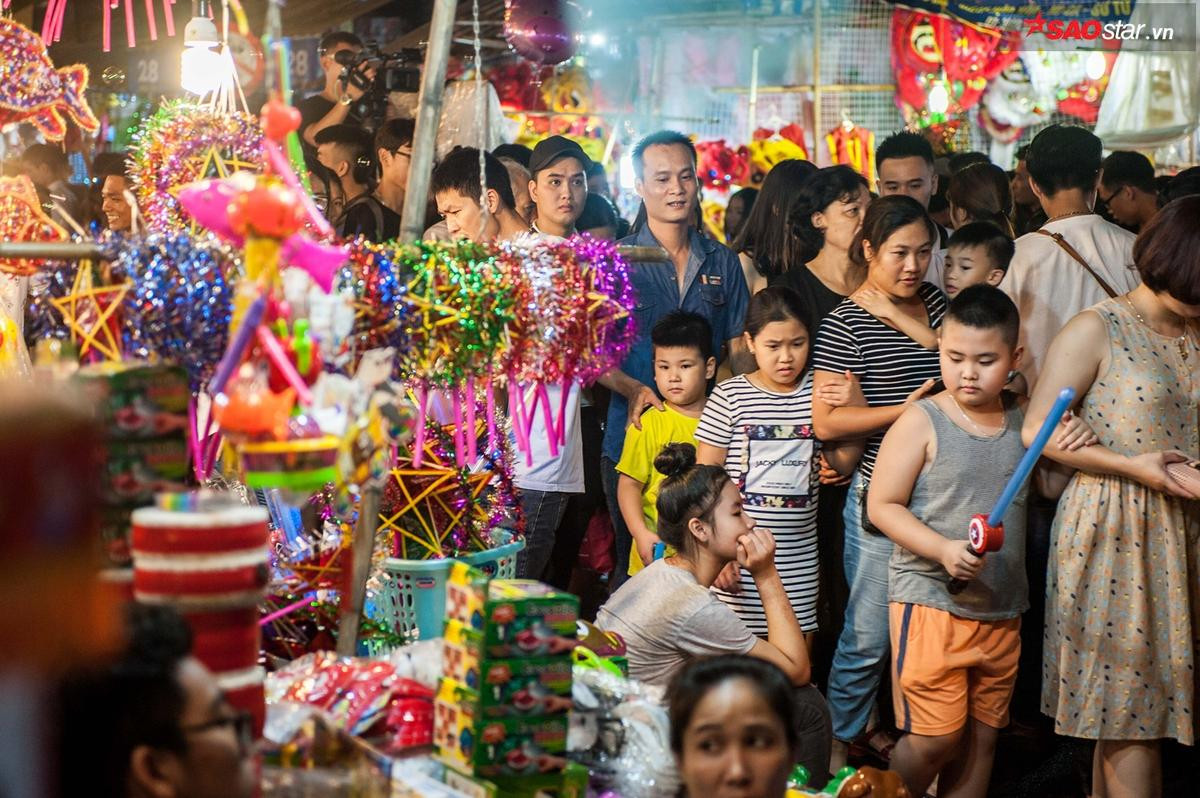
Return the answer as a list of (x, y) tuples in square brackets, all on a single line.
[(955, 655), (978, 252), (758, 426), (683, 365)]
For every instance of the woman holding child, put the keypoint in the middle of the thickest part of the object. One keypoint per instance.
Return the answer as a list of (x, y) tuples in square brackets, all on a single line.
[(1123, 593), (866, 373)]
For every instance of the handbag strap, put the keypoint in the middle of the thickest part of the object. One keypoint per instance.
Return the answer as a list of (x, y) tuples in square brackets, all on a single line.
[(1070, 250)]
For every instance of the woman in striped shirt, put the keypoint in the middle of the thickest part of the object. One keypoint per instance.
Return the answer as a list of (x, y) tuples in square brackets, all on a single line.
[(865, 373)]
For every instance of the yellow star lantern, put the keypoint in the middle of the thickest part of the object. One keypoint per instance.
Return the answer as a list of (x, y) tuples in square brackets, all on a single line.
[(89, 312)]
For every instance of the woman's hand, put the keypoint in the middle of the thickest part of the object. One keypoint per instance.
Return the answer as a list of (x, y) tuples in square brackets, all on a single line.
[(959, 561), (1150, 469), (874, 302), (920, 392), (756, 552), (1076, 433), (842, 392), (828, 475), (729, 579)]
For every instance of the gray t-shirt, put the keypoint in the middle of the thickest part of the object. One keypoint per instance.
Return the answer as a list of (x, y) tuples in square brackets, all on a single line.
[(967, 475), (666, 619)]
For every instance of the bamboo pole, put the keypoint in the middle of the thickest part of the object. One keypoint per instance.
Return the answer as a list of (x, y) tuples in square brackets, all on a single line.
[(429, 113)]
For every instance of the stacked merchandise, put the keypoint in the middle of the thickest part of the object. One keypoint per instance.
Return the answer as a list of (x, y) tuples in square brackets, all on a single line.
[(210, 563), (143, 411), (501, 711)]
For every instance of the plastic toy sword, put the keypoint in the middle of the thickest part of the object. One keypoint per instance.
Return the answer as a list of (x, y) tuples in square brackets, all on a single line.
[(986, 532)]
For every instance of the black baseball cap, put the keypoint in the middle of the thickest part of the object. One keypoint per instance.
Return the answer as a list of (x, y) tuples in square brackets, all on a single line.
[(551, 149)]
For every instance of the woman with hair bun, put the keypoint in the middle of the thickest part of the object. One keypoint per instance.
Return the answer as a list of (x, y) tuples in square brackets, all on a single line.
[(668, 617)]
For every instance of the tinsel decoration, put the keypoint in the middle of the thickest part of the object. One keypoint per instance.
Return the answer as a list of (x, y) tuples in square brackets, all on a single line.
[(371, 277), (184, 142), (180, 305), (440, 509), (22, 219), (33, 90), (459, 311)]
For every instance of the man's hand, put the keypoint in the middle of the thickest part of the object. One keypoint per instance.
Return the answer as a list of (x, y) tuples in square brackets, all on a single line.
[(642, 398)]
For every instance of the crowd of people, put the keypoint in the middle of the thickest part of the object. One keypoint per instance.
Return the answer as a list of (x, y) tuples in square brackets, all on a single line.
[(792, 451)]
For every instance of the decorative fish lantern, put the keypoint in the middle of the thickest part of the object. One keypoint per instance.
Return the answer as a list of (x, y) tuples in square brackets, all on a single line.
[(32, 90)]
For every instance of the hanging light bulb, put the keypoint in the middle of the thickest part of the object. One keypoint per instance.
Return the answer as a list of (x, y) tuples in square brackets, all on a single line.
[(200, 64), (1096, 65), (939, 99)]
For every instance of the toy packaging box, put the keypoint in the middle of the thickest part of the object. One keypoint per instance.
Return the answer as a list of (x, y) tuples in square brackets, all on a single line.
[(137, 400), (490, 747), (504, 687), (517, 617)]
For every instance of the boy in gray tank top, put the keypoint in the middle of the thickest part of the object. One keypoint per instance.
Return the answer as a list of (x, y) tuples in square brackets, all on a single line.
[(947, 458)]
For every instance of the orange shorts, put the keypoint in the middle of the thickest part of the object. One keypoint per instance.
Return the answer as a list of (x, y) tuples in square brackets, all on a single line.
[(945, 668)]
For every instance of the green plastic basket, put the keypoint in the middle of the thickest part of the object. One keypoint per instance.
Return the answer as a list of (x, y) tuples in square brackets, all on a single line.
[(412, 598)]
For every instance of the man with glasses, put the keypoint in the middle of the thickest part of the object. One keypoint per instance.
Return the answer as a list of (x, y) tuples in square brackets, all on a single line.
[(1127, 189), (332, 105), (152, 723), (393, 146)]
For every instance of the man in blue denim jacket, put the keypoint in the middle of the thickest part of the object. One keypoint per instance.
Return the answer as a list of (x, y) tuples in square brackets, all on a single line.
[(703, 277)]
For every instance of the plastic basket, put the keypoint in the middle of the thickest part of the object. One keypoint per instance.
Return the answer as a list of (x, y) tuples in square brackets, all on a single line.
[(412, 596)]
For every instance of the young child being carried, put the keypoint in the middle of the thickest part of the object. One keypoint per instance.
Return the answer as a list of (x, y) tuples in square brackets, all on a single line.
[(977, 253), (683, 365), (946, 459)]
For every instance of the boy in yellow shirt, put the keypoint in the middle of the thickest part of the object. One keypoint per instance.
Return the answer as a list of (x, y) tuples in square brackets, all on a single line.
[(683, 366)]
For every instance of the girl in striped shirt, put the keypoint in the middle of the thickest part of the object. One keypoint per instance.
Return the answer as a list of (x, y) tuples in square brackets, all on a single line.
[(758, 426)]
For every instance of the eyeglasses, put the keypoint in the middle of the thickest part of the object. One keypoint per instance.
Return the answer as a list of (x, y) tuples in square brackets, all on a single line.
[(1107, 199), (242, 723)]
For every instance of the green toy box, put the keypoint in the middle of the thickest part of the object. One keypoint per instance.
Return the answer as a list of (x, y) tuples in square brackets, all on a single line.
[(517, 617)]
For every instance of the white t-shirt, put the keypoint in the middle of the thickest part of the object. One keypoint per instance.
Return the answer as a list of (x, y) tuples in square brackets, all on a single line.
[(562, 473), (937, 263), (1049, 286)]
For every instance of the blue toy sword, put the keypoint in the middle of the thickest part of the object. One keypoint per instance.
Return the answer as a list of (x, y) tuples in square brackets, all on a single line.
[(986, 532)]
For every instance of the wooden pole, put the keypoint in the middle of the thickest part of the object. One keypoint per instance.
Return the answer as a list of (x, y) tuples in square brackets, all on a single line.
[(429, 113), (361, 550)]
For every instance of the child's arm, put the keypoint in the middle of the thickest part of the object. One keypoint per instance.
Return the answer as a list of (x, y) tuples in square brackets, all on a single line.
[(629, 499), (877, 305), (905, 450), (852, 422), (843, 457)]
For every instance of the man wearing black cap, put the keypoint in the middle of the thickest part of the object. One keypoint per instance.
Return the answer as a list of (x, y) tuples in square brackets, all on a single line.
[(558, 185)]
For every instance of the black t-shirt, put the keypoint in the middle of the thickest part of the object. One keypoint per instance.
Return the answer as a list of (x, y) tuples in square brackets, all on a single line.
[(816, 295), (313, 109), (370, 218)]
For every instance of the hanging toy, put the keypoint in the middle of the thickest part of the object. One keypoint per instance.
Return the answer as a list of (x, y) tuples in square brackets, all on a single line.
[(22, 219), (34, 90)]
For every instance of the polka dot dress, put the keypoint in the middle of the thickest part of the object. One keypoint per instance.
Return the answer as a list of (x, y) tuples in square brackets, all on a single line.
[(1123, 592)]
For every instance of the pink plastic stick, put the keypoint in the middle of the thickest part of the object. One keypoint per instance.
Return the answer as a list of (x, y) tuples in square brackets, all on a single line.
[(58, 19), (130, 29), (193, 441), (283, 168), (274, 616), (523, 423), (560, 424), (106, 39), (419, 439), (280, 359), (548, 418), (47, 22), (153, 24), (169, 13), (472, 438), (459, 456), (491, 418)]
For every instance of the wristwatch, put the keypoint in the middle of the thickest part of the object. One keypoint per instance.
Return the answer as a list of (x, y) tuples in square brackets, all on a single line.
[(345, 99)]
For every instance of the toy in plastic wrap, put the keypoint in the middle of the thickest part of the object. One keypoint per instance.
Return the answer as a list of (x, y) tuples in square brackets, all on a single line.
[(513, 746), (518, 618), (529, 686)]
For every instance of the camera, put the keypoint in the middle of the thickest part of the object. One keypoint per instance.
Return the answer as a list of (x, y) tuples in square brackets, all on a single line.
[(394, 71)]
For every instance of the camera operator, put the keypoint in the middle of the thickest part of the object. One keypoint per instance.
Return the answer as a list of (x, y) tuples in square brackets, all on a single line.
[(346, 152), (333, 105)]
